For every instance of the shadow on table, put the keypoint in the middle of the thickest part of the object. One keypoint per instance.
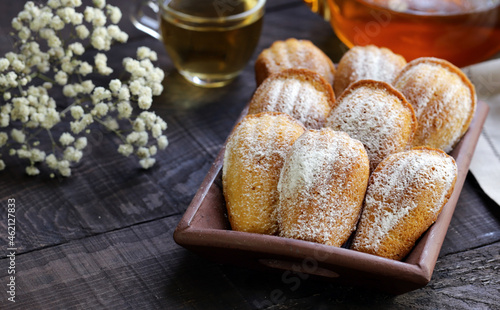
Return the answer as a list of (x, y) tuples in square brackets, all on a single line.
[(179, 94), (202, 283)]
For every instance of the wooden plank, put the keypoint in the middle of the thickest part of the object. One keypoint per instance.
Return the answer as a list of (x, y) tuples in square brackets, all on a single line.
[(476, 220), (106, 192), (140, 267)]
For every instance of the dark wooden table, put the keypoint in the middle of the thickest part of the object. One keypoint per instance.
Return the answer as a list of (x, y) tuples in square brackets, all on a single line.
[(102, 239)]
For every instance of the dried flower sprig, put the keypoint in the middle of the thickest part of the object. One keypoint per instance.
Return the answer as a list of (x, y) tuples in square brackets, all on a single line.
[(51, 42)]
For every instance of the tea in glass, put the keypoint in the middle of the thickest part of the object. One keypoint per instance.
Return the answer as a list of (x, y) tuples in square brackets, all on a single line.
[(461, 31), (211, 41)]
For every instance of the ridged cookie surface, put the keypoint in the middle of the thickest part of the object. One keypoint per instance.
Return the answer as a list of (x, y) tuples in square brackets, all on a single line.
[(300, 93), (321, 187), (253, 159), (405, 194), (293, 53), (443, 98), (367, 62), (376, 114)]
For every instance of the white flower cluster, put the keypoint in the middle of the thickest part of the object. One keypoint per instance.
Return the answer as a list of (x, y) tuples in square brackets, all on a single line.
[(47, 58)]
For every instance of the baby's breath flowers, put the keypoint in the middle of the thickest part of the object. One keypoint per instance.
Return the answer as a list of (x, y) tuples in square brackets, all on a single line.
[(52, 41)]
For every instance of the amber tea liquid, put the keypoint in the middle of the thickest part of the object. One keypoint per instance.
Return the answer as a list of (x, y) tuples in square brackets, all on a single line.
[(461, 31), (210, 46)]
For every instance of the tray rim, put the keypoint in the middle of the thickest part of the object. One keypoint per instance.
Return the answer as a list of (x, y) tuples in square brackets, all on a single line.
[(417, 268)]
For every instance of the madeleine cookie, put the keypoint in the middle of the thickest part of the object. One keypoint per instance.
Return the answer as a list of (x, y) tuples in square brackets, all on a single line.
[(405, 194), (367, 62), (376, 114), (321, 187), (443, 98), (253, 159), (300, 93), (293, 53)]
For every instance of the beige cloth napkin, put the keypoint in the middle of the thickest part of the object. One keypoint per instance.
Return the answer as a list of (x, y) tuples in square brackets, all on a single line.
[(485, 165)]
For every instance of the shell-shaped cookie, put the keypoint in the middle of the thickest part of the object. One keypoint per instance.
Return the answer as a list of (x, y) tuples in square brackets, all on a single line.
[(376, 114), (443, 98), (367, 63), (293, 53), (321, 187), (300, 93), (405, 194), (253, 159)]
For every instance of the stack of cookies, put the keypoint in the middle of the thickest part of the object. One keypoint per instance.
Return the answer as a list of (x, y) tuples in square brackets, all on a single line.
[(326, 153)]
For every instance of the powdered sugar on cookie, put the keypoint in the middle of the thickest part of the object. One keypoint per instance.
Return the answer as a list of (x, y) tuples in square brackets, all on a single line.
[(254, 155), (367, 62), (300, 93), (376, 114), (420, 178), (321, 187), (443, 98)]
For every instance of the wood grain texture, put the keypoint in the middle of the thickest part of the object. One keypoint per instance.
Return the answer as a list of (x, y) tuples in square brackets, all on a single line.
[(476, 220), (140, 267), (102, 239)]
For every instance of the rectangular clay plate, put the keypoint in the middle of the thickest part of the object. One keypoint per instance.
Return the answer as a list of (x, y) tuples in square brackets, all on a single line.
[(205, 229)]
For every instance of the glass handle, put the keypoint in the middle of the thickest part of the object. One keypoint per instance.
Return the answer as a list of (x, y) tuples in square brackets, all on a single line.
[(144, 22), (319, 7)]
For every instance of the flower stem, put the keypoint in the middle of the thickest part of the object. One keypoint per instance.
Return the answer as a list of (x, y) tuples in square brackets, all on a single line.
[(116, 132), (53, 141), (45, 78), (76, 102)]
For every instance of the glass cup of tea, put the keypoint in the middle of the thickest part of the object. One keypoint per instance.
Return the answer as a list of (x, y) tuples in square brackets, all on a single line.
[(209, 41), (463, 32)]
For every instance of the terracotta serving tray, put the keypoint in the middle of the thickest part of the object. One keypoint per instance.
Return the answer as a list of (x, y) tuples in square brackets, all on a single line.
[(205, 229)]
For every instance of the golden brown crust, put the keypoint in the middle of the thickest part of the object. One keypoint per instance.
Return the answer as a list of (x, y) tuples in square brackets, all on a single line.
[(405, 194), (376, 114), (293, 53), (253, 158), (443, 98), (367, 62), (321, 187), (262, 70), (301, 93)]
